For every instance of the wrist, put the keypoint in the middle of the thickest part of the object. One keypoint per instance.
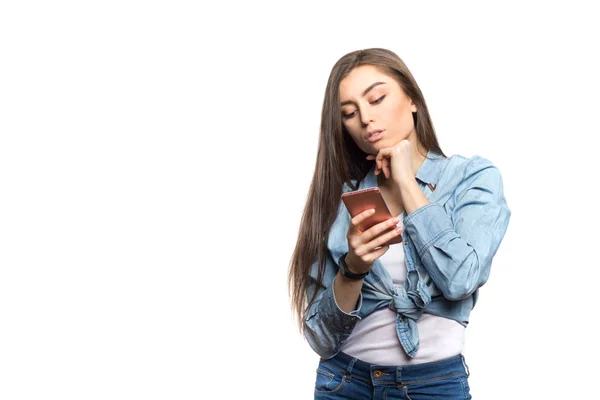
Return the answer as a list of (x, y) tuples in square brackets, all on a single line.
[(348, 272), (348, 282), (412, 196), (405, 182)]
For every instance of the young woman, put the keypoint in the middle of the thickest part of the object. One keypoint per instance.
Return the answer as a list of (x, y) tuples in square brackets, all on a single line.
[(389, 321)]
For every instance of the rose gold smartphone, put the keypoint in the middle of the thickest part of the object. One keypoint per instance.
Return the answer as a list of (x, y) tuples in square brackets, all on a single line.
[(362, 200)]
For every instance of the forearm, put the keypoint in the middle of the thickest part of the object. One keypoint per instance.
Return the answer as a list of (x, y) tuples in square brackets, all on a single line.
[(346, 292), (413, 197)]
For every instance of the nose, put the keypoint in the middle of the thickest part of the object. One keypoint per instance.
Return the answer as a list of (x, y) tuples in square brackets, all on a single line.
[(365, 118)]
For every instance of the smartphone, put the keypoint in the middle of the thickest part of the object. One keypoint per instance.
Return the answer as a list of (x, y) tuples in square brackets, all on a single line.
[(365, 199)]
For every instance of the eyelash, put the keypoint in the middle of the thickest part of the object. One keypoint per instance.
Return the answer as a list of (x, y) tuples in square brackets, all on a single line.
[(374, 102)]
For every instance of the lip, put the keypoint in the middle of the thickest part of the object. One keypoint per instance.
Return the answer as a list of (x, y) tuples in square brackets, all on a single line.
[(374, 135)]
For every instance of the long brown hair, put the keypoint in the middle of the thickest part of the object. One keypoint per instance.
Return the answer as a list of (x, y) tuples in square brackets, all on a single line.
[(340, 160)]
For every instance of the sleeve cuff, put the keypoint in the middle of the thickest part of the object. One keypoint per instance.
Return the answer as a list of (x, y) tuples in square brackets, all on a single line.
[(332, 316), (426, 225), (353, 313)]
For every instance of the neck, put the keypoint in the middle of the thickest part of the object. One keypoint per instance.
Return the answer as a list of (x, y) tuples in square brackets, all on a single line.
[(417, 157)]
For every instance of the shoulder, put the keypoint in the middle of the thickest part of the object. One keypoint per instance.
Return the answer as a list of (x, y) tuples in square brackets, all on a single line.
[(469, 165), (475, 170)]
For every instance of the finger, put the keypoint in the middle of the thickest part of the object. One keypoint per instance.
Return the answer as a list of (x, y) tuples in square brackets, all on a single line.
[(382, 239), (384, 153), (375, 254), (378, 167), (356, 220), (378, 229), (370, 157), (384, 167), (377, 242), (382, 158)]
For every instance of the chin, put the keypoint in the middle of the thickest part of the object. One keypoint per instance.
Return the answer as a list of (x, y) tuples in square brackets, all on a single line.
[(373, 148), (382, 144)]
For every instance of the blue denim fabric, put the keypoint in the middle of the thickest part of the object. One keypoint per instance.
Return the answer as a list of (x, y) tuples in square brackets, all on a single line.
[(448, 246), (345, 377)]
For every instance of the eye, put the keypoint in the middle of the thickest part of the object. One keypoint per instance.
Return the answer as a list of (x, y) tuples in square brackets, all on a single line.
[(350, 115), (379, 100)]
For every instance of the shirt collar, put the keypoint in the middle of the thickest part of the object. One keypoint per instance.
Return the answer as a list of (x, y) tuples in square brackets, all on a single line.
[(429, 170), (427, 173)]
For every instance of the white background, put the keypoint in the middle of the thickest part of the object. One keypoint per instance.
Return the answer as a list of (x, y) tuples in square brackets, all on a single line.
[(155, 158)]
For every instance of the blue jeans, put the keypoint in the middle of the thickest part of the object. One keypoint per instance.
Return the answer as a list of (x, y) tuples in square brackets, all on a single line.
[(345, 377)]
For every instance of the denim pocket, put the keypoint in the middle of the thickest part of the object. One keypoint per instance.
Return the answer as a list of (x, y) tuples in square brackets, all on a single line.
[(329, 379), (453, 387)]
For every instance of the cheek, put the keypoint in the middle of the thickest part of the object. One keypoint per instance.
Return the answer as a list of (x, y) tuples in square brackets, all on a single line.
[(356, 134), (402, 115), (399, 109), (353, 128)]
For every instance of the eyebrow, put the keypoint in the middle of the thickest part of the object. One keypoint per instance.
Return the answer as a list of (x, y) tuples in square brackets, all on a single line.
[(364, 93)]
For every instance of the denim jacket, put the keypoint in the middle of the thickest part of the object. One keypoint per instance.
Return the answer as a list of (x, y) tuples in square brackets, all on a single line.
[(448, 247)]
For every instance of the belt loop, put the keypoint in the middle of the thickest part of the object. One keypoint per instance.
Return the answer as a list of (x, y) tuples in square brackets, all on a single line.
[(349, 369), (465, 365), (399, 376)]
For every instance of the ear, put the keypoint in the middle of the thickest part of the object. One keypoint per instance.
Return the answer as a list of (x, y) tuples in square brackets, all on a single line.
[(413, 106)]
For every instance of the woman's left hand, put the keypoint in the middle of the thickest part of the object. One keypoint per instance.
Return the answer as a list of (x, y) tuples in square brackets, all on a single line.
[(395, 162)]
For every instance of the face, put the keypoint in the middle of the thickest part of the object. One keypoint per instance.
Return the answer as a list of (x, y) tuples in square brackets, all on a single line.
[(375, 110)]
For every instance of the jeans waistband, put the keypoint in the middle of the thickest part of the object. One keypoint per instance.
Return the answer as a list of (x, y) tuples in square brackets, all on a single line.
[(385, 374)]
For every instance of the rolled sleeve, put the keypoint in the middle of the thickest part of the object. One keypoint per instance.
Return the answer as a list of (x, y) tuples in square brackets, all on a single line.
[(327, 326), (456, 244), (426, 225)]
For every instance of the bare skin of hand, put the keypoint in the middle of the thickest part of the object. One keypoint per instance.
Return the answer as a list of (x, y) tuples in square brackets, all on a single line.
[(394, 162), (365, 247)]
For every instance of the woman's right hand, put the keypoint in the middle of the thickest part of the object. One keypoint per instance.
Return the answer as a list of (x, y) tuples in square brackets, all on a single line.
[(365, 247)]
